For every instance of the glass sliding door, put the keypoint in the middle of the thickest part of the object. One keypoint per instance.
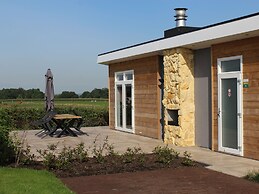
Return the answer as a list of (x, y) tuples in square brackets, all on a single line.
[(124, 101)]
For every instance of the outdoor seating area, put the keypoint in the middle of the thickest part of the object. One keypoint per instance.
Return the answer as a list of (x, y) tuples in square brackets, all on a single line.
[(51, 122), (54, 124)]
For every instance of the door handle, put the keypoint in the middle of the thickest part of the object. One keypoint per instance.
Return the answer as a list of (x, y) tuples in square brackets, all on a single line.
[(219, 112), (239, 115)]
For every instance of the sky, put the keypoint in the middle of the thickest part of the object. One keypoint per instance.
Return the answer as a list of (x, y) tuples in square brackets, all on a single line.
[(67, 35)]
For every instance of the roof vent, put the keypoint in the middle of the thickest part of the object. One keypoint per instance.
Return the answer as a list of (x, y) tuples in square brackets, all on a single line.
[(180, 16)]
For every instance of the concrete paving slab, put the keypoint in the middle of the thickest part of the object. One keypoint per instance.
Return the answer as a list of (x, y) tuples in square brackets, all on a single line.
[(228, 164)]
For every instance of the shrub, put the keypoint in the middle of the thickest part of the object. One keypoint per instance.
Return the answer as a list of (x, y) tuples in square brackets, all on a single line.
[(253, 176), (187, 159), (103, 150), (91, 116), (19, 118), (63, 160), (7, 152), (23, 153), (133, 154), (80, 153), (5, 118), (165, 155), (49, 156), (16, 118)]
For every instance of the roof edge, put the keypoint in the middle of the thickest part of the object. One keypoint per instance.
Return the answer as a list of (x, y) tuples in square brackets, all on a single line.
[(131, 46), (230, 20)]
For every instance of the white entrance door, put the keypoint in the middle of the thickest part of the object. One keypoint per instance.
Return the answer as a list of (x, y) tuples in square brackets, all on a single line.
[(124, 101), (230, 137)]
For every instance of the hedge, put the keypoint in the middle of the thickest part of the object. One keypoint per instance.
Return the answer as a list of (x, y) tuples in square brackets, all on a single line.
[(7, 152), (16, 118)]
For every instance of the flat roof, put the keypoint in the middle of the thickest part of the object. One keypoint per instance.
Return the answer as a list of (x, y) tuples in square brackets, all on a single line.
[(235, 29)]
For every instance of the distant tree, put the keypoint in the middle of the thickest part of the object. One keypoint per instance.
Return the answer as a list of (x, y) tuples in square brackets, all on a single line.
[(86, 94), (14, 93), (19, 93), (96, 93), (68, 94), (34, 93), (104, 93)]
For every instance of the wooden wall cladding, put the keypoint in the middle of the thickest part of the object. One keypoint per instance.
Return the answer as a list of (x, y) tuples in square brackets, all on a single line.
[(146, 94), (249, 49)]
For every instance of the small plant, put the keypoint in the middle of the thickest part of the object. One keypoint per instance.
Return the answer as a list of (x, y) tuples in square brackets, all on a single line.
[(98, 152), (111, 151), (253, 176), (133, 154), (165, 155), (25, 157), (106, 149), (68, 155), (22, 152), (141, 158), (80, 153), (65, 158), (187, 159), (49, 156)]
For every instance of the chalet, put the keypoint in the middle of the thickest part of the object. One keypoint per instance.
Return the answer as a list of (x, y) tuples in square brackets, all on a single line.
[(194, 86)]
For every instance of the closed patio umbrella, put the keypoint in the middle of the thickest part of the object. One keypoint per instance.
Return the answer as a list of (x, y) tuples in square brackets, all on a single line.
[(49, 91)]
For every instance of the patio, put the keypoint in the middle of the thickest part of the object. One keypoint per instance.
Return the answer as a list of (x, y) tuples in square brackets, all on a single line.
[(228, 164)]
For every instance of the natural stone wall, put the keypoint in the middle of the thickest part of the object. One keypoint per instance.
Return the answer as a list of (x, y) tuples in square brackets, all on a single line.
[(179, 95)]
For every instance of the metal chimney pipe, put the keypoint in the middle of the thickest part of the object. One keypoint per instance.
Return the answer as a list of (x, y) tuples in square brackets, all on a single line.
[(180, 16)]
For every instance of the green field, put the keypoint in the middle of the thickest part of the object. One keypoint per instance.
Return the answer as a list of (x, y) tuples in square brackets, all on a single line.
[(59, 102)]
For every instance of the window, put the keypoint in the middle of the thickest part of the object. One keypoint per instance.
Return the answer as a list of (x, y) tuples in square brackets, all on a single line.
[(173, 117), (129, 76), (119, 77), (230, 64), (124, 76)]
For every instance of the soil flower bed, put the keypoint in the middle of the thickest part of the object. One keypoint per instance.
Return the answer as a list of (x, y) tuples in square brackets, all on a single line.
[(111, 165), (114, 165), (71, 162)]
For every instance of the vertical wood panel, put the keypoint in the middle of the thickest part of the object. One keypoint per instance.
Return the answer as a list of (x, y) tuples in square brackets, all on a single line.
[(249, 49), (146, 94)]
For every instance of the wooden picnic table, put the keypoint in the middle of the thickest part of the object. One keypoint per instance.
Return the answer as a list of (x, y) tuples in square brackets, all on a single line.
[(65, 122)]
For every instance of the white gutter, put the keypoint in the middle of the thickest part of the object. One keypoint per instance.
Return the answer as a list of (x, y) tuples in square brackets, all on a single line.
[(207, 36)]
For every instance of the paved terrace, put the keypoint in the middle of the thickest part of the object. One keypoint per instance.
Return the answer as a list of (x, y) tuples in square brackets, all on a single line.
[(228, 164)]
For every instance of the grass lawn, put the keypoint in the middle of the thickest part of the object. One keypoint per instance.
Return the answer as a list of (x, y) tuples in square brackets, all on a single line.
[(19, 181)]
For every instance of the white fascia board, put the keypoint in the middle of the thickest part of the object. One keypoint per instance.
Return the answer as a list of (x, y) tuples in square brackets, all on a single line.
[(208, 35)]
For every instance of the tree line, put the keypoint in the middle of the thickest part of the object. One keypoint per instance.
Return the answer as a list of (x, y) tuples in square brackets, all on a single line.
[(95, 93), (20, 93)]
